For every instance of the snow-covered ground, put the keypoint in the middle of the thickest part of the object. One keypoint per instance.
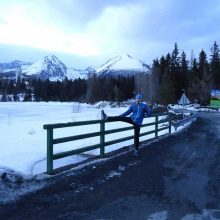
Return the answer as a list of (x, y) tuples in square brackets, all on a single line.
[(23, 142), (23, 139)]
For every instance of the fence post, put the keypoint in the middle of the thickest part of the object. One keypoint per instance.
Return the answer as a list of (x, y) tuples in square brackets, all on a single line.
[(156, 126), (102, 138), (50, 151), (169, 116)]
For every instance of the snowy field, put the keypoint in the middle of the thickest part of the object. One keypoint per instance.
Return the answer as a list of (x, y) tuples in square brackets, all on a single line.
[(23, 139)]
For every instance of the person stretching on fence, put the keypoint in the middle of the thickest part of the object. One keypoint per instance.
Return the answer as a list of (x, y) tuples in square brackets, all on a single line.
[(139, 110)]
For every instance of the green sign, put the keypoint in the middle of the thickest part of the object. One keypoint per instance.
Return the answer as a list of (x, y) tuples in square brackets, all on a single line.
[(215, 98)]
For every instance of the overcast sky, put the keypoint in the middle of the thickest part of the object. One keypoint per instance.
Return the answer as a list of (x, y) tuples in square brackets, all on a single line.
[(87, 32)]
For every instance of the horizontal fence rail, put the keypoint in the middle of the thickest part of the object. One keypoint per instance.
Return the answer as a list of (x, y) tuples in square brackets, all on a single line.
[(101, 134)]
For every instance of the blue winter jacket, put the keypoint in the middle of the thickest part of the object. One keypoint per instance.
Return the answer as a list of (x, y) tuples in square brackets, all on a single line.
[(138, 112)]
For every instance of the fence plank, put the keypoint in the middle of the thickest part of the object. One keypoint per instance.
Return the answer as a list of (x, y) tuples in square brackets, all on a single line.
[(71, 124), (119, 130), (156, 126), (119, 140), (50, 151), (102, 139), (76, 137), (147, 133), (76, 151)]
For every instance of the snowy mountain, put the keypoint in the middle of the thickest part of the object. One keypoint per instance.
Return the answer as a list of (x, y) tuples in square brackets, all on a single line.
[(122, 65), (13, 69), (10, 66), (50, 67)]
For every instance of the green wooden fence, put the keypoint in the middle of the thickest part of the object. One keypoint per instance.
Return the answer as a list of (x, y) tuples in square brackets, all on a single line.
[(101, 133)]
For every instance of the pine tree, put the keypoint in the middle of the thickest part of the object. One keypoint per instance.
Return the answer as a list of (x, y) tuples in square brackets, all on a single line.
[(117, 94), (184, 63), (175, 59), (175, 64), (215, 65), (192, 56), (183, 71), (166, 89), (193, 81), (4, 97), (64, 90), (205, 77), (93, 90), (203, 63), (155, 80)]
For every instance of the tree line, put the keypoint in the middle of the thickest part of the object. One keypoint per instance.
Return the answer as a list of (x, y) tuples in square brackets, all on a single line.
[(170, 74), (91, 90), (174, 72)]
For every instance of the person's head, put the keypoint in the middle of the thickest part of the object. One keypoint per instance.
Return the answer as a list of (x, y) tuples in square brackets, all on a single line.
[(138, 98)]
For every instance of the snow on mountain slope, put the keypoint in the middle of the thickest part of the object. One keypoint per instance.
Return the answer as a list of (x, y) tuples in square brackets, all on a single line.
[(50, 67), (33, 69), (14, 66), (10, 66), (73, 73), (122, 63)]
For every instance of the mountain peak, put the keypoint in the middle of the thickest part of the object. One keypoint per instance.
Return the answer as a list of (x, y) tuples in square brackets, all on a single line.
[(50, 67), (126, 56), (122, 63), (50, 57)]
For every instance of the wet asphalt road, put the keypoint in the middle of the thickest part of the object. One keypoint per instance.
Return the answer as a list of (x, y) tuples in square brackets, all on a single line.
[(179, 174)]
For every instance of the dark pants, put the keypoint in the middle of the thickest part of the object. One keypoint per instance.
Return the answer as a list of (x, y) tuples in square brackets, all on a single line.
[(129, 120)]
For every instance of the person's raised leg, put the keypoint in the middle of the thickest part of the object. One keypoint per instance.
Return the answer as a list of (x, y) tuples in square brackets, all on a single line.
[(104, 116)]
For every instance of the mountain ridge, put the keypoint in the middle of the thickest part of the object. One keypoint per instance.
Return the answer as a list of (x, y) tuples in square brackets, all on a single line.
[(52, 68), (123, 64)]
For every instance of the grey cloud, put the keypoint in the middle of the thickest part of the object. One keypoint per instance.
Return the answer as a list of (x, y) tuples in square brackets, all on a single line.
[(177, 21), (78, 12), (148, 34)]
